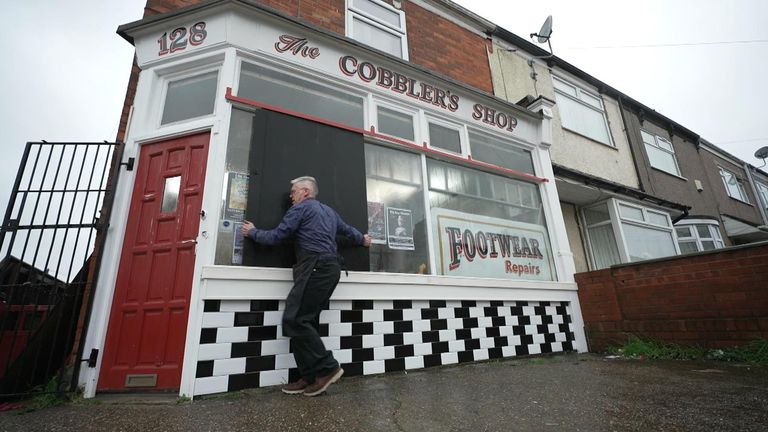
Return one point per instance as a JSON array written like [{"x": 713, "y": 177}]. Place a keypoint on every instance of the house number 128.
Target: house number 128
[{"x": 178, "y": 38}]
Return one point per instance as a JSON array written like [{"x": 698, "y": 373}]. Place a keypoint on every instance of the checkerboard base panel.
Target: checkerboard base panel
[{"x": 242, "y": 343}]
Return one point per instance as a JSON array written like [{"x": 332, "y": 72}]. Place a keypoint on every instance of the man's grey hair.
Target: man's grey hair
[{"x": 307, "y": 182}]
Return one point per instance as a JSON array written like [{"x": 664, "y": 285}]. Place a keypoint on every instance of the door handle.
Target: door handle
[{"x": 188, "y": 241}]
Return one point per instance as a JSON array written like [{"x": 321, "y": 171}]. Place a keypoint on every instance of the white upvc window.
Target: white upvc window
[
  {"x": 622, "y": 232},
  {"x": 733, "y": 185},
  {"x": 661, "y": 154},
  {"x": 396, "y": 121},
  {"x": 697, "y": 236},
  {"x": 189, "y": 97},
  {"x": 445, "y": 136},
  {"x": 582, "y": 111},
  {"x": 379, "y": 25},
  {"x": 762, "y": 190}
]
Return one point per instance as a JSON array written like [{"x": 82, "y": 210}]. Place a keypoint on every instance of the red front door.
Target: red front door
[{"x": 148, "y": 321}]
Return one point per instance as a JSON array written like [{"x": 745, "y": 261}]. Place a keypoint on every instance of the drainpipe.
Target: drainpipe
[
  {"x": 682, "y": 216},
  {"x": 631, "y": 146}
]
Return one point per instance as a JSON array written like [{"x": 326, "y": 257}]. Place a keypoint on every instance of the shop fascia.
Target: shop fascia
[{"x": 315, "y": 50}]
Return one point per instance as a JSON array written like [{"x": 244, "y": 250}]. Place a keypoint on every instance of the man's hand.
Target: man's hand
[
  {"x": 367, "y": 240},
  {"x": 247, "y": 226}
]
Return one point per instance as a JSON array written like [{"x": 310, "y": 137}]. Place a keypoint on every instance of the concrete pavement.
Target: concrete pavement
[{"x": 569, "y": 392}]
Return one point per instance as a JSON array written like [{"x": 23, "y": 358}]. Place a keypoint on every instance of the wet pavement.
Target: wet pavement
[{"x": 571, "y": 392}]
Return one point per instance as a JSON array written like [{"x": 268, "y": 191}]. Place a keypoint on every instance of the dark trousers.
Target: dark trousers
[{"x": 314, "y": 281}]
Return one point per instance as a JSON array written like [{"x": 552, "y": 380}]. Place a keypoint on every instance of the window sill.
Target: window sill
[
  {"x": 610, "y": 146},
  {"x": 741, "y": 201},
  {"x": 669, "y": 173},
  {"x": 240, "y": 274}
]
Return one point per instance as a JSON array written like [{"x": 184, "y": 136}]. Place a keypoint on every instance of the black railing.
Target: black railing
[{"x": 57, "y": 212}]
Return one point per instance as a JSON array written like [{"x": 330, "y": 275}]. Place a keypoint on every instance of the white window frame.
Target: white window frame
[
  {"x": 657, "y": 146},
  {"x": 617, "y": 221},
  {"x": 353, "y": 12},
  {"x": 692, "y": 225},
  {"x": 165, "y": 81},
  {"x": 762, "y": 192},
  {"x": 460, "y": 128},
  {"x": 739, "y": 186},
  {"x": 579, "y": 99},
  {"x": 414, "y": 113}
]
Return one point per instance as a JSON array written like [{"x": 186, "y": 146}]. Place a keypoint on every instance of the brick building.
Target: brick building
[{"x": 389, "y": 105}]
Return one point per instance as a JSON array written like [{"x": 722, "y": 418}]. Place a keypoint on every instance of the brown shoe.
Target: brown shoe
[
  {"x": 322, "y": 383},
  {"x": 296, "y": 387}
]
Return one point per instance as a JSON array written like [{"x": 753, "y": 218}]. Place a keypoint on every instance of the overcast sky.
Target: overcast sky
[{"x": 698, "y": 62}]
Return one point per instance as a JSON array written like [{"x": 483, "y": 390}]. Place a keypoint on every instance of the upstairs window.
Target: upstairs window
[
  {"x": 661, "y": 154},
  {"x": 582, "y": 112},
  {"x": 733, "y": 185},
  {"x": 379, "y": 25},
  {"x": 762, "y": 190}
]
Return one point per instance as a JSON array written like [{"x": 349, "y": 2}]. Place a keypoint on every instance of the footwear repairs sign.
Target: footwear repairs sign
[{"x": 480, "y": 246}]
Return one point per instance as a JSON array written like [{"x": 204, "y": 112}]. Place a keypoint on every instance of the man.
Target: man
[{"x": 315, "y": 276}]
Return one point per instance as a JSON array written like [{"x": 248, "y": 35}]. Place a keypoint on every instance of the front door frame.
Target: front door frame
[
  {"x": 183, "y": 271},
  {"x": 104, "y": 286}
]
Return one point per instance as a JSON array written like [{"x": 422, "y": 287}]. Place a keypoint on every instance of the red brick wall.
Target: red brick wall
[{"x": 716, "y": 299}]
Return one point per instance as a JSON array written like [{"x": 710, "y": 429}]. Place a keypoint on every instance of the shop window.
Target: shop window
[
  {"x": 643, "y": 233},
  {"x": 733, "y": 185},
  {"x": 396, "y": 216},
  {"x": 379, "y": 25},
  {"x": 444, "y": 137},
  {"x": 697, "y": 237},
  {"x": 487, "y": 225},
  {"x": 661, "y": 154},
  {"x": 266, "y": 150},
  {"x": 582, "y": 112},
  {"x": 189, "y": 98},
  {"x": 476, "y": 224},
  {"x": 395, "y": 123},
  {"x": 487, "y": 148},
  {"x": 296, "y": 94}
]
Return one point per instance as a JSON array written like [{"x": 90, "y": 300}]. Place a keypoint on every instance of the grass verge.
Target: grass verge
[{"x": 755, "y": 352}]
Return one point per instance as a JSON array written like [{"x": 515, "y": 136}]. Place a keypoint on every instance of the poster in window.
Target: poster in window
[
  {"x": 481, "y": 246},
  {"x": 400, "y": 228},
  {"x": 237, "y": 196},
  {"x": 377, "y": 227},
  {"x": 237, "y": 245}
]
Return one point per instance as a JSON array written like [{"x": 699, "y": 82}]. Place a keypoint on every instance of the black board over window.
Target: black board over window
[{"x": 285, "y": 147}]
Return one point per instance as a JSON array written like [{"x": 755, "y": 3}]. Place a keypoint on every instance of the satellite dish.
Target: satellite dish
[
  {"x": 762, "y": 153},
  {"x": 546, "y": 30},
  {"x": 543, "y": 36}
]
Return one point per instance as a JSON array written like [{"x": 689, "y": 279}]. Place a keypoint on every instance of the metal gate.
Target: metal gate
[{"x": 56, "y": 218}]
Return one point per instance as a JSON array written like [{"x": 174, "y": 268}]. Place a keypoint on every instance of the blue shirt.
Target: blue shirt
[{"x": 315, "y": 226}]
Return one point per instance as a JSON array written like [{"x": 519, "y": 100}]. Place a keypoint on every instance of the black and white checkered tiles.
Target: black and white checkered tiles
[{"x": 242, "y": 346}]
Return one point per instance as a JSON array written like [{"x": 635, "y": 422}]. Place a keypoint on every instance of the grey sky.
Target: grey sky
[
  {"x": 65, "y": 70},
  {"x": 715, "y": 90}
]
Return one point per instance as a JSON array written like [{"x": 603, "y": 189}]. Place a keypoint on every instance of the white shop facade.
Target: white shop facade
[{"x": 470, "y": 259}]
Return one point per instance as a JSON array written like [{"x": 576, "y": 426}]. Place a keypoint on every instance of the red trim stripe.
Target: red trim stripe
[{"x": 372, "y": 133}]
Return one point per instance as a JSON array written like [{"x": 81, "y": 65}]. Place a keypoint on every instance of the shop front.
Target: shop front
[{"x": 469, "y": 260}]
